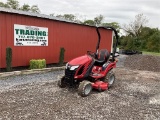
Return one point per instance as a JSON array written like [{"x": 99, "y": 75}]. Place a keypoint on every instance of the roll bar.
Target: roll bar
[{"x": 99, "y": 38}]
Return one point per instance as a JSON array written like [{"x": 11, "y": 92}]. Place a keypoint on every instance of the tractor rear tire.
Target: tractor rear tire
[
  {"x": 61, "y": 82},
  {"x": 85, "y": 88},
  {"x": 110, "y": 78}
]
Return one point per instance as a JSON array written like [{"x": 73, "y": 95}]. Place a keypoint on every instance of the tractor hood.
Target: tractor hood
[{"x": 80, "y": 60}]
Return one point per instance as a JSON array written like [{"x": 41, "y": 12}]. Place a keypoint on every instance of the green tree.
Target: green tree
[
  {"x": 148, "y": 40},
  {"x": 123, "y": 41},
  {"x": 134, "y": 28},
  {"x": 113, "y": 24},
  {"x": 153, "y": 43},
  {"x": 98, "y": 20},
  {"x": 89, "y": 22},
  {"x": 35, "y": 9},
  {"x": 146, "y": 32},
  {"x": 3, "y": 5},
  {"x": 69, "y": 17},
  {"x": 14, "y": 4},
  {"x": 136, "y": 33},
  {"x": 25, "y": 7}
]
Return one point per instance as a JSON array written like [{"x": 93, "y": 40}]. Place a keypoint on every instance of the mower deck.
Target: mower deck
[{"x": 100, "y": 85}]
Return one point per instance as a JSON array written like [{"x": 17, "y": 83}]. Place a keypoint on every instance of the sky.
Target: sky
[{"x": 121, "y": 11}]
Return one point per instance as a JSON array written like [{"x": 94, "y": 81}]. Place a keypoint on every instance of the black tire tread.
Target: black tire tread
[
  {"x": 61, "y": 83},
  {"x": 82, "y": 87},
  {"x": 107, "y": 77}
]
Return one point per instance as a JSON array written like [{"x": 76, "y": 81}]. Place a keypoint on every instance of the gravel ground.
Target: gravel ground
[
  {"x": 135, "y": 95},
  {"x": 6, "y": 83},
  {"x": 143, "y": 62},
  {"x": 121, "y": 60}
]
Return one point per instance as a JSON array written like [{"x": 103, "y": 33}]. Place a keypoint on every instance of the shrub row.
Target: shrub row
[{"x": 34, "y": 64}]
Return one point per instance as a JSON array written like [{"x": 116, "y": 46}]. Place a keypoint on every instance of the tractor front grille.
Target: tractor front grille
[{"x": 69, "y": 73}]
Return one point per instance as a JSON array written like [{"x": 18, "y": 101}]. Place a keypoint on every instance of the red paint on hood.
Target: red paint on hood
[{"x": 80, "y": 60}]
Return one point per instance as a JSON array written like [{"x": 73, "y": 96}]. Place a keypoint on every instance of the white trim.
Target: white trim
[{"x": 112, "y": 42}]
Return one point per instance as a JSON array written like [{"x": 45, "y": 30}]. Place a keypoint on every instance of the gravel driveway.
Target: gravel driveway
[
  {"x": 135, "y": 96},
  {"x": 6, "y": 83}
]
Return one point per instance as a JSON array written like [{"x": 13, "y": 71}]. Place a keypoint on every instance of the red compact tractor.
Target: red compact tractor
[{"x": 93, "y": 70}]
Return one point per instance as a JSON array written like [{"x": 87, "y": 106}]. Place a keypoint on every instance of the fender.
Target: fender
[{"x": 110, "y": 66}]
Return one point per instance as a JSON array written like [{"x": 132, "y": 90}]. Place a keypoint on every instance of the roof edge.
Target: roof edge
[{"x": 20, "y": 12}]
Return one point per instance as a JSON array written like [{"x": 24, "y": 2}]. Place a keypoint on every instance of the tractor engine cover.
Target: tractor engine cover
[{"x": 100, "y": 85}]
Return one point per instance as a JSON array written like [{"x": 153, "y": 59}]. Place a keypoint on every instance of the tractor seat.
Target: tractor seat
[{"x": 102, "y": 57}]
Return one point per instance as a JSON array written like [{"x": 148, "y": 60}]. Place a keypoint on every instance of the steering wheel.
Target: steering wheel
[{"x": 92, "y": 54}]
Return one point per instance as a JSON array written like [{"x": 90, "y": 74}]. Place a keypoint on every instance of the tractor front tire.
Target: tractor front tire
[
  {"x": 61, "y": 82},
  {"x": 110, "y": 78},
  {"x": 85, "y": 88}
]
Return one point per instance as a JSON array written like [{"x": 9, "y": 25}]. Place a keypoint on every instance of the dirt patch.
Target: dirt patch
[
  {"x": 143, "y": 62},
  {"x": 132, "y": 97}
]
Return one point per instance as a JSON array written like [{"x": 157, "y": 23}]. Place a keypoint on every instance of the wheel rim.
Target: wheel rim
[
  {"x": 87, "y": 89},
  {"x": 111, "y": 79}
]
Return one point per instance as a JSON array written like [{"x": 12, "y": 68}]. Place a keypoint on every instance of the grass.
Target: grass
[{"x": 151, "y": 53}]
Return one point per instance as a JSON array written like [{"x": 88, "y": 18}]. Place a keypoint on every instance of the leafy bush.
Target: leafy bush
[
  {"x": 153, "y": 43},
  {"x": 147, "y": 40},
  {"x": 61, "y": 56},
  {"x": 8, "y": 59},
  {"x": 37, "y": 64}
]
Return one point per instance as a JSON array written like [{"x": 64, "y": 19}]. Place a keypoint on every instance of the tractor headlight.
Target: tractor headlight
[
  {"x": 70, "y": 67},
  {"x": 74, "y": 67},
  {"x": 66, "y": 65}
]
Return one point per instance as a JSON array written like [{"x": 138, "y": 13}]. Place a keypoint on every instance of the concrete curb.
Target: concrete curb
[{"x": 27, "y": 72}]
